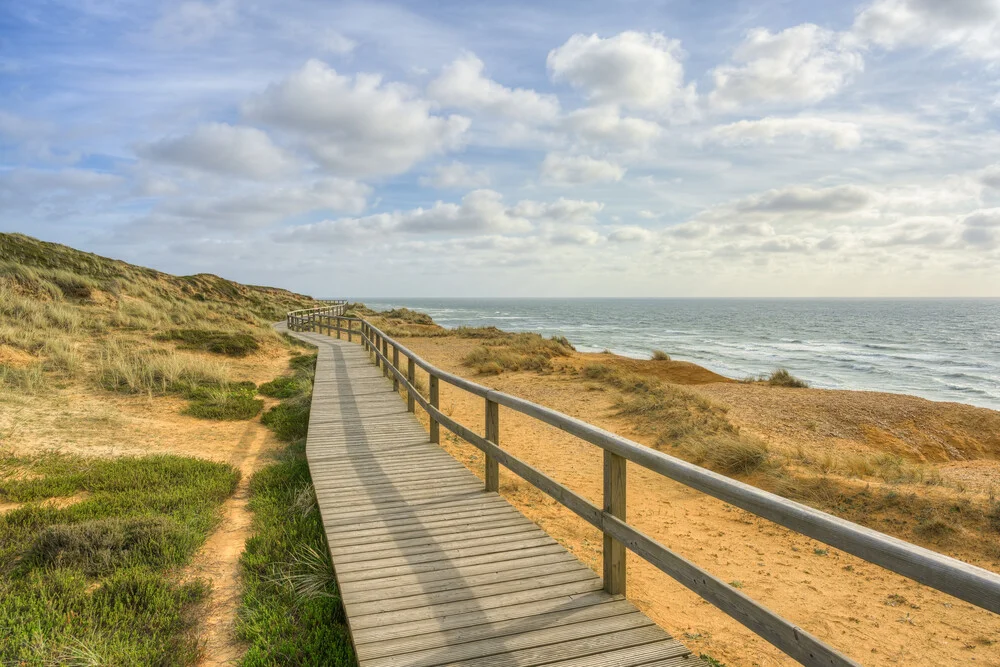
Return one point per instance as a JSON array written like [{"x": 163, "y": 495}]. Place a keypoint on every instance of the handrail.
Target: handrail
[{"x": 949, "y": 575}]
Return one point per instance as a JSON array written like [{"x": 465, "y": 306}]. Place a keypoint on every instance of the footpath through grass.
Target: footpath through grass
[
  {"x": 97, "y": 581},
  {"x": 291, "y": 612}
]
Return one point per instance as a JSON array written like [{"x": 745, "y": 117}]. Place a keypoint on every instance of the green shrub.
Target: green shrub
[
  {"x": 101, "y": 546},
  {"x": 303, "y": 363},
  {"x": 218, "y": 342},
  {"x": 289, "y": 419},
  {"x": 782, "y": 378},
  {"x": 283, "y": 387},
  {"x": 230, "y": 404}
]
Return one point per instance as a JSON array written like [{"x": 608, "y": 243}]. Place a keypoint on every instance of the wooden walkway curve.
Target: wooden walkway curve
[{"x": 432, "y": 569}]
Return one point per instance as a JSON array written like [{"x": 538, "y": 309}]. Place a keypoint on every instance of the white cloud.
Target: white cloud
[
  {"x": 839, "y": 199},
  {"x": 455, "y": 175},
  {"x": 991, "y": 176},
  {"x": 982, "y": 228},
  {"x": 842, "y": 135},
  {"x": 560, "y": 211},
  {"x": 799, "y": 65},
  {"x": 631, "y": 234},
  {"x": 462, "y": 85},
  {"x": 258, "y": 207},
  {"x": 359, "y": 127},
  {"x": 971, "y": 26},
  {"x": 569, "y": 169},
  {"x": 224, "y": 149},
  {"x": 605, "y": 124},
  {"x": 479, "y": 212},
  {"x": 582, "y": 236},
  {"x": 633, "y": 69}
]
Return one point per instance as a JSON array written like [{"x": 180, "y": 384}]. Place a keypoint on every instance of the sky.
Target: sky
[{"x": 671, "y": 148}]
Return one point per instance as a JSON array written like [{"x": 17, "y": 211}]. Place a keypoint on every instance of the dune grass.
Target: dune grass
[
  {"x": 227, "y": 343},
  {"x": 225, "y": 404},
  {"x": 282, "y": 387},
  {"x": 96, "y": 582},
  {"x": 290, "y": 611},
  {"x": 515, "y": 352},
  {"x": 659, "y": 355},
  {"x": 782, "y": 378},
  {"x": 696, "y": 427}
]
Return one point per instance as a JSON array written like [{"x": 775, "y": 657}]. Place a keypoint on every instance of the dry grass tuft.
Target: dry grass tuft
[
  {"x": 125, "y": 367},
  {"x": 517, "y": 352},
  {"x": 782, "y": 378}
]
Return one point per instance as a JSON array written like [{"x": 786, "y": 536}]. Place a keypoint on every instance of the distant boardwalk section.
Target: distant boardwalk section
[{"x": 433, "y": 570}]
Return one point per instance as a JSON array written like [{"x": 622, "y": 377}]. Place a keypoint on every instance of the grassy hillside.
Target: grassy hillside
[{"x": 69, "y": 314}]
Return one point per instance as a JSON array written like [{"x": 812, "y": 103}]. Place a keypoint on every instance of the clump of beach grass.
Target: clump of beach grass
[
  {"x": 98, "y": 577},
  {"x": 660, "y": 355},
  {"x": 126, "y": 367},
  {"x": 225, "y": 404},
  {"x": 230, "y": 344},
  {"x": 516, "y": 352},
  {"x": 693, "y": 425},
  {"x": 780, "y": 377}
]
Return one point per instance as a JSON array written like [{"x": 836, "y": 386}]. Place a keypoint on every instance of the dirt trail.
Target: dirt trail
[
  {"x": 218, "y": 559},
  {"x": 876, "y": 617}
]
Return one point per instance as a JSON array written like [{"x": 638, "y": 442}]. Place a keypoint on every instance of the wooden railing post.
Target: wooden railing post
[
  {"x": 350, "y": 331},
  {"x": 385, "y": 353},
  {"x": 436, "y": 402},
  {"x": 493, "y": 435},
  {"x": 395, "y": 363},
  {"x": 614, "y": 504},
  {"x": 411, "y": 377}
]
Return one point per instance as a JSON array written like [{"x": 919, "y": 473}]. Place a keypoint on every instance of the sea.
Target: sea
[{"x": 940, "y": 349}]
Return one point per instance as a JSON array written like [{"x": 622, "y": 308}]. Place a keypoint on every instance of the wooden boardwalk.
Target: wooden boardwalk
[{"x": 432, "y": 569}]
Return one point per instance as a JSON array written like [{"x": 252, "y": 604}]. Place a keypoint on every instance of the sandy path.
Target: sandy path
[
  {"x": 876, "y": 617},
  {"x": 218, "y": 559}
]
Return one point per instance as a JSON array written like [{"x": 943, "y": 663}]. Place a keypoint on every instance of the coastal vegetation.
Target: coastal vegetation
[
  {"x": 91, "y": 557},
  {"x": 111, "y": 377},
  {"x": 290, "y": 611}
]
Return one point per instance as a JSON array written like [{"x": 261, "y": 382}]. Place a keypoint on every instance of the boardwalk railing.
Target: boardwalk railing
[{"x": 962, "y": 580}]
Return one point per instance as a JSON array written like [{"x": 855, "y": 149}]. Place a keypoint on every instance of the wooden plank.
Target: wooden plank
[
  {"x": 576, "y": 648},
  {"x": 430, "y": 542},
  {"x": 519, "y": 611},
  {"x": 477, "y": 605},
  {"x": 431, "y": 530},
  {"x": 497, "y": 648},
  {"x": 456, "y": 549},
  {"x": 454, "y": 564},
  {"x": 497, "y": 628},
  {"x": 453, "y": 573},
  {"x": 502, "y": 575},
  {"x": 477, "y": 593},
  {"x": 659, "y": 652}
]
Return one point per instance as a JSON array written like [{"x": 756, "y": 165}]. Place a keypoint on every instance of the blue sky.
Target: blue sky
[{"x": 505, "y": 149}]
